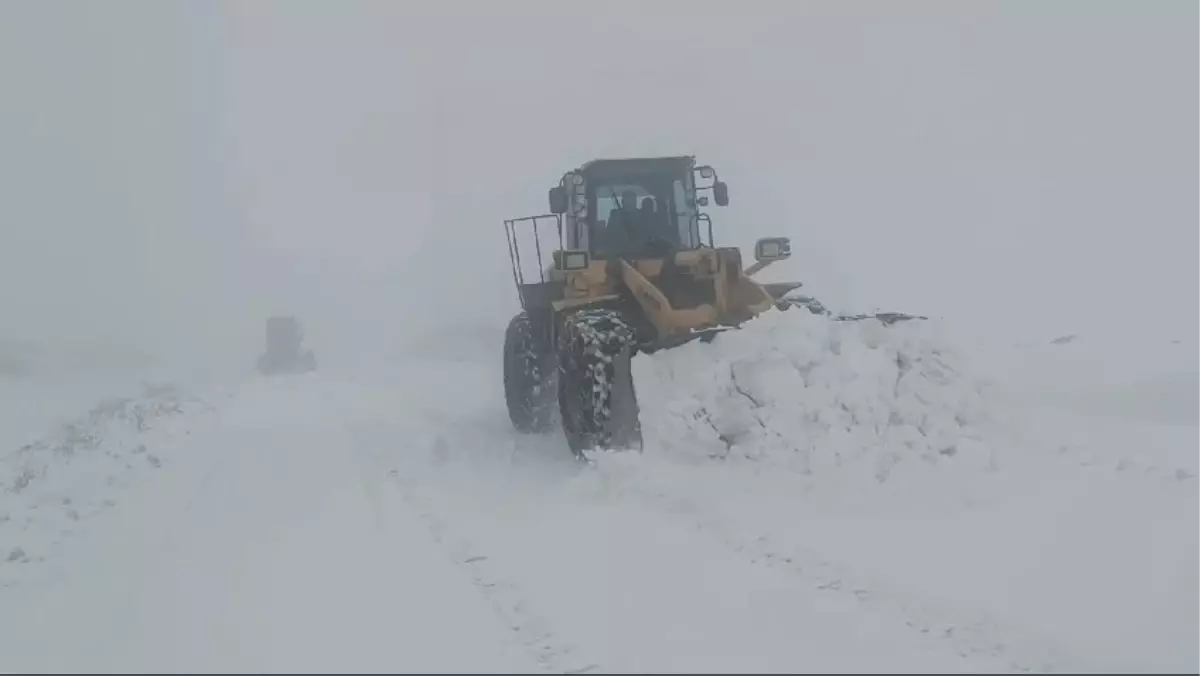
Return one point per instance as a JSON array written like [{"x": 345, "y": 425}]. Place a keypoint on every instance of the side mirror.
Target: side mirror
[
  {"x": 558, "y": 200},
  {"x": 721, "y": 193},
  {"x": 771, "y": 249}
]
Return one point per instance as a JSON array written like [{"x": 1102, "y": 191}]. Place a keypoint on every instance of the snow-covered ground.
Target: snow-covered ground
[{"x": 813, "y": 496}]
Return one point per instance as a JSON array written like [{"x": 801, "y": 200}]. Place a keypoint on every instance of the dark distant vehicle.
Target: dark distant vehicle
[{"x": 283, "y": 353}]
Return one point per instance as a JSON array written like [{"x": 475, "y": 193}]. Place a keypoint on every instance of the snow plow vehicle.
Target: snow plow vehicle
[
  {"x": 283, "y": 353},
  {"x": 631, "y": 273}
]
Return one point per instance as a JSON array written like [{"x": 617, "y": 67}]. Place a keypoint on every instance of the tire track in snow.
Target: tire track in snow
[
  {"x": 476, "y": 442},
  {"x": 970, "y": 633},
  {"x": 506, "y": 598}
]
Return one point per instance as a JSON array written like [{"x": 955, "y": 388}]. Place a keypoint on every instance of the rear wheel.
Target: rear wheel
[
  {"x": 596, "y": 398},
  {"x": 528, "y": 373}
]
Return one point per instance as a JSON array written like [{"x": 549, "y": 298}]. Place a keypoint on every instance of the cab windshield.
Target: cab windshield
[{"x": 639, "y": 214}]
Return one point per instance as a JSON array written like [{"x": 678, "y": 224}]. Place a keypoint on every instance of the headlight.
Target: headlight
[{"x": 573, "y": 260}]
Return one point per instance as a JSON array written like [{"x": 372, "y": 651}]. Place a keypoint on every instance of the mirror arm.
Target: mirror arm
[{"x": 758, "y": 266}]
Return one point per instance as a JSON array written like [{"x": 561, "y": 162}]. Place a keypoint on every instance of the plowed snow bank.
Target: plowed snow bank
[
  {"x": 49, "y": 485},
  {"x": 814, "y": 394}
]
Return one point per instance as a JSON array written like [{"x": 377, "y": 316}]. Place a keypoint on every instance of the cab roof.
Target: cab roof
[{"x": 628, "y": 163}]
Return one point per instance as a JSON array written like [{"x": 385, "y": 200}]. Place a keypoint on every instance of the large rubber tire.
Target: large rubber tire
[
  {"x": 596, "y": 398},
  {"x": 528, "y": 378}
]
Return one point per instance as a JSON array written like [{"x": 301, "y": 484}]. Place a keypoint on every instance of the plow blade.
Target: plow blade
[
  {"x": 806, "y": 302},
  {"x": 888, "y": 318},
  {"x": 704, "y": 335},
  {"x": 814, "y": 306}
]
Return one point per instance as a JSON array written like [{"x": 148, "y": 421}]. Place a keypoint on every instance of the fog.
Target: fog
[{"x": 172, "y": 173}]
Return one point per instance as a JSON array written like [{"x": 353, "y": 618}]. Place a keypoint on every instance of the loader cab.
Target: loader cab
[{"x": 656, "y": 198}]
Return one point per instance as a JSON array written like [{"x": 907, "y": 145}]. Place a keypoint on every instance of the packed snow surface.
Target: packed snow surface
[{"x": 814, "y": 496}]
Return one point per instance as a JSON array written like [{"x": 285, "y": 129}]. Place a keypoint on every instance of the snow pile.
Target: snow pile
[
  {"x": 49, "y": 485},
  {"x": 813, "y": 394}
]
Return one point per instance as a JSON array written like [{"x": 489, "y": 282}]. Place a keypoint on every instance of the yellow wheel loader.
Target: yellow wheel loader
[{"x": 630, "y": 273}]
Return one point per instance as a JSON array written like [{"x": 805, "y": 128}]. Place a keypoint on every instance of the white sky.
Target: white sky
[{"x": 172, "y": 172}]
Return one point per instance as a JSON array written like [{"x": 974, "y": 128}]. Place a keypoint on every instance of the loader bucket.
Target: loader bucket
[
  {"x": 814, "y": 306},
  {"x": 703, "y": 335},
  {"x": 888, "y": 318}
]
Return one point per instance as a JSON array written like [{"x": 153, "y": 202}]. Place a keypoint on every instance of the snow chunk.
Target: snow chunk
[{"x": 815, "y": 394}]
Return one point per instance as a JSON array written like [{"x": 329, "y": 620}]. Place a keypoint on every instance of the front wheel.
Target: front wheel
[
  {"x": 527, "y": 378},
  {"x": 596, "y": 397}
]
